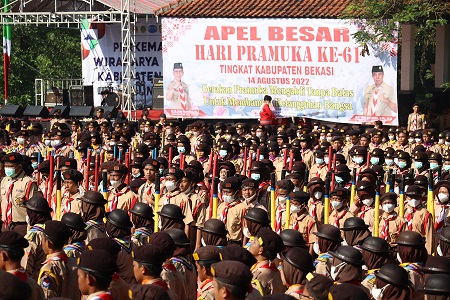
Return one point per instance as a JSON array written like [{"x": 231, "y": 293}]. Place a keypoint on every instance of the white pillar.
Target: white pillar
[
  {"x": 442, "y": 65},
  {"x": 407, "y": 60}
]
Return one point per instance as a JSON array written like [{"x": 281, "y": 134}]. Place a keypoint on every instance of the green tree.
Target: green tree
[
  {"x": 41, "y": 52},
  {"x": 382, "y": 17}
]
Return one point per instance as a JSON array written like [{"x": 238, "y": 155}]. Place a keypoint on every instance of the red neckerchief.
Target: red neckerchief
[
  {"x": 409, "y": 218},
  {"x": 271, "y": 266},
  {"x": 363, "y": 211},
  {"x": 20, "y": 273},
  {"x": 116, "y": 195},
  {"x": 169, "y": 266},
  {"x": 385, "y": 228},
  {"x": 336, "y": 222},
  {"x": 204, "y": 283},
  {"x": 279, "y": 214},
  {"x": 313, "y": 211}
]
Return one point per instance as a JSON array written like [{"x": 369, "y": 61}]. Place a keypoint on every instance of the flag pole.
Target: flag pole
[{"x": 6, "y": 52}]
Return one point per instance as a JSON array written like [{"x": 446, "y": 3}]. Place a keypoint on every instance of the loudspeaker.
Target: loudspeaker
[
  {"x": 89, "y": 95},
  {"x": 157, "y": 82},
  {"x": 76, "y": 95},
  {"x": 110, "y": 110},
  {"x": 36, "y": 111},
  {"x": 12, "y": 110},
  {"x": 158, "y": 98},
  {"x": 81, "y": 111},
  {"x": 64, "y": 110}
]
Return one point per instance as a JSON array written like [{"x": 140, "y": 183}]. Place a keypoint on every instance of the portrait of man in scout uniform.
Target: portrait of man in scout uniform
[
  {"x": 380, "y": 99},
  {"x": 178, "y": 92}
]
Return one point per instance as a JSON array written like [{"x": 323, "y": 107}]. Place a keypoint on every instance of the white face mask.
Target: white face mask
[
  {"x": 417, "y": 140},
  {"x": 326, "y": 160},
  {"x": 319, "y": 160},
  {"x": 228, "y": 199},
  {"x": 169, "y": 131},
  {"x": 170, "y": 185},
  {"x": 316, "y": 248},
  {"x": 411, "y": 140},
  {"x": 347, "y": 139},
  {"x": 377, "y": 294},
  {"x": 318, "y": 195},
  {"x": 329, "y": 139},
  {"x": 246, "y": 232},
  {"x": 391, "y": 137},
  {"x": 442, "y": 197},
  {"x": 259, "y": 134},
  {"x": 336, "y": 204},
  {"x": 294, "y": 209},
  {"x": 20, "y": 141},
  {"x": 389, "y": 161},
  {"x": 281, "y": 200},
  {"x": 56, "y": 142},
  {"x": 388, "y": 208},
  {"x": 115, "y": 183},
  {"x": 47, "y": 142},
  {"x": 447, "y": 143},
  {"x": 335, "y": 270},
  {"x": 440, "y": 141},
  {"x": 413, "y": 202},
  {"x": 358, "y": 160},
  {"x": 368, "y": 201}
]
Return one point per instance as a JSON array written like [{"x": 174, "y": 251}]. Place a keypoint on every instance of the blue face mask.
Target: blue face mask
[
  {"x": 319, "y": 160},
  {"x": 223, "y": 153},
  {"x": 418, "y": 164},
  {"x": 161, "y": 171},
  {"x": 338, "y": 179},
  {"x": 389, "y": 162},
  {"x": 34, "y": 165},
  {"x": 261, "y": 157},
  {"x": 181, "y": 149},
  {"x": 358, "y": 160},
  {"x": 136, "y": 175},
  {"x": 401, "y": 164},
  {"x": 255, "y": 176},
  {"x": 434, "y": 166},
  {"x": 10, "y": 172},
  {"x": 446, "y": 167},
  {"x": 374, "y": 160}
]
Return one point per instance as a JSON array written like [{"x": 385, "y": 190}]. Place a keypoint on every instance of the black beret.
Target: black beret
[
  {"x": 232, "y": 272},
  {"x": 106, "y": 244},
  {"x": 149, "y": 254},
  {"x": 207, "y": 253},
  {"x": 148, "y": 292},
  {"x": 13, "y": 157},
  {"x": 270, "y": 241},
  {"x": 341, "y": 192},
  {"x": 74, "y": 175},
  {"x": 119, "y": 168},
  {"x": 13, "y": 240},
  {"x": 56, "y": 231},
  {"x": 98, "y": 261}
]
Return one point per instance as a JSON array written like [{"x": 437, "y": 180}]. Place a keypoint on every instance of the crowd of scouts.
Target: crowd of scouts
[{"x": 157, "y": 210}]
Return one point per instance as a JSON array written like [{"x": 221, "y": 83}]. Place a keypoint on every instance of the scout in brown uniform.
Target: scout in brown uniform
[
  {"x": 296, "y": 265},
  {"x": 359, "y": 159},
  {"x": 147, "y": 267},
  {"x": 421, "y": 164},
  {"x": 204, "y": 257},
  {"x": 182, "y": 261},
  {"x": 319, "y": 168},
  {"x": 417, "y": 217},
  {"x": 316, "y": 189},
  {"x": 265, "y": 248},
  {"x": 15, "y": 190},
  {"x": 339, "y": 199},
  {"x": 306, "y": 150},
  {"x": 231, "y": 280},
  {"x": 328, "y": 239},
  {"x": 70, "y": 201},
  {"x": 59, "y": 143},
  {"x": 120, "y": 195},
  {"x": 146, "y": 192},
  {"x": 93, "y": 208},
  {"x": 170, "y": 274},
  {"x": 172, "y": 178},
  {"x": 12, "y": 246},
  {"x": 363, "y": 204},
  {"x": 281, "y": 191},
  {"x": 193, "y": 206},
  {"x": 117, "y": 287},
  {"x": 390, "y": 222},
  {"x": 416, "y": 120},
  {"x": 300, "y": 219},
  {"x": 38, "y": 213},
  {"x": 229, "y": 211},
  {"x": 412, "y": 255},
  {"x": 53, "y": 275},
  {"x": 95, "y": 271},
  {"x": 118, "y": 227},
  {"x": 402, "y": 143},
  {"x": 375, "y": 253},
  {"x": 143, "y": 223}
]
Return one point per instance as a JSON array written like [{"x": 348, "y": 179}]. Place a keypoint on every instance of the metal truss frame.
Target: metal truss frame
[{"x": 125, "y": 17}]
